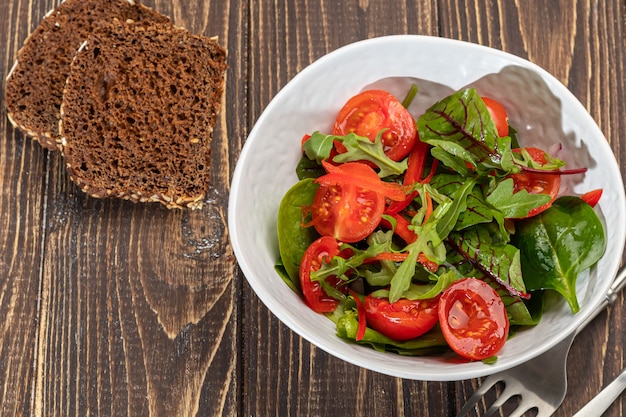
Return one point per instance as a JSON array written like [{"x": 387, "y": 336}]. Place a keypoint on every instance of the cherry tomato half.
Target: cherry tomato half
[
  {"x": 403, "y": 320},
  {"x": 473, "y": 319},
  {"x": 367, "y": 113},
  {"x": 537, "y": 182},
  {"x": 499, "y": 116},
  {"x": 321, "y": 250},
  {"x": 343, "y": 209}
]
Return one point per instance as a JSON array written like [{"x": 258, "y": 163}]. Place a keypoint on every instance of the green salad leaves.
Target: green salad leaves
[{"x": 469, "y": 219}]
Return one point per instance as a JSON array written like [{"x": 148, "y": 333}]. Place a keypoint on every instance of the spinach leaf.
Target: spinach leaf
[
  {"x": 293, "y": 239},
  {"x": 558, "y": 244},
  {"x": 309, "y": 168}
]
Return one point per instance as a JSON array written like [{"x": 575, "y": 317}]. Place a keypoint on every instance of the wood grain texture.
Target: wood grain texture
[
  {"x": 115, "y": 309},
  {"x": 120, "y": 309}
]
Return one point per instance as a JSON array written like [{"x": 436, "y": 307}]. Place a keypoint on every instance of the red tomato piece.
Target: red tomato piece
[
  {"x": 473, "y": 319},
  {"x": 403, "y": 320},
  {"x": 322, "y": 250},
  {"x": 537, "y": 182},
  {"x": 346, "y": 212},
  {"x": 499, "y": 116},
  {"x": 350, "y": 201},
  {"x": 592, "y": 197},
  {"x": 367, "y": 113}
]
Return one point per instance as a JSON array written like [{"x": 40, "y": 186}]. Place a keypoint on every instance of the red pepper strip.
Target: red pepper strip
[
  {"x": 427, "y": 263},
  {"x": 396, "y": 207},
  {"x": 431, "y": 174},
  {"x": 416, "y": 162},
  {"x": 361, "y": 314},
  {"x": 387, "y": 256},
  {"x": 362, "y": 176},
  {"x": 414, "y": 172},
  {"x": 429, "y": 206},
  {"x": 592, "y": 197}
]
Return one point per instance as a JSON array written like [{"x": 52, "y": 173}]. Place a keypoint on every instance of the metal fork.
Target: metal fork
[{"x": 541, "y": 382}]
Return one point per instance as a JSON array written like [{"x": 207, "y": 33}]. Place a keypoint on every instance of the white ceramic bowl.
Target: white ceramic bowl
[{"x": 539, "y": 106}]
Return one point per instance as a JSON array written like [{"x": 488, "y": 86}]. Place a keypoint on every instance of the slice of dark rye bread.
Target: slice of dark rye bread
[
  {"x": 138, "y": 113},
  {"x": 34, "y": 87}
]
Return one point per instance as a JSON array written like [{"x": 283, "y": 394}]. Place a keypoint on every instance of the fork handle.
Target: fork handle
[
  {"x": 611, "y": 296},
  {"x": 601, "y": 402}
]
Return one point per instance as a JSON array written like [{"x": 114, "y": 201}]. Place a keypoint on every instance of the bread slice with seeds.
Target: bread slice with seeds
[
  {"x": 34, "y": 87},
  {"x": 138, "y": 113}
]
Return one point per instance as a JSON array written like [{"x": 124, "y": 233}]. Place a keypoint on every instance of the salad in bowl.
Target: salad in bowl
[
  {"x": 420, "y": 243},
  {"x": 442, "y": 232}
]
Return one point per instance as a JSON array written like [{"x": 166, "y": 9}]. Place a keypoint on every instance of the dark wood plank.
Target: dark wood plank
[
  {"x": 113, "y": 308},
  {"x": 22, "y": 208}
]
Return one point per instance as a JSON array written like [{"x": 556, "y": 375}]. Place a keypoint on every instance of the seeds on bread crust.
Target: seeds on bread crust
[
  {"x": 138, "y": 113},
  {"x": 34, "y": 87}
]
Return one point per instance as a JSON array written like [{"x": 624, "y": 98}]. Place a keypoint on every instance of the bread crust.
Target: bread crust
[
  {"x": 138, "y": 112},
  {"x": 34, "y": 86}
]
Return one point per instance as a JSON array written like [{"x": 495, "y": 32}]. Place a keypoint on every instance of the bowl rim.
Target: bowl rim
[{"x": 383, "y": 41}]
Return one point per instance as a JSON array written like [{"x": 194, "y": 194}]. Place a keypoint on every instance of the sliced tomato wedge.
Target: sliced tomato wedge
[
  {"x": 498, "y": 115},
  {"x": 473, "y": 319},
  {"x": 537, "y": 182},
  {"x": 321, "y": 250},
  {"x": 403, "y": 320},
  {"x": 371, "y": 111}
]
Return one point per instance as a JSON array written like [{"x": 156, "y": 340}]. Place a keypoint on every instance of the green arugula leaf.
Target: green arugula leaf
[
  {"x": 318, "y": 147},
  {"x": 477, "y": 210},
  {"x": 378, "y": 242},
  {"x": 360, "y": 148},
  {"x": 514, "y": 204},
  {"x": 424, "y": 291},
  {"x": 558, "y": 244},
  {"x": 430, "y": 236}
]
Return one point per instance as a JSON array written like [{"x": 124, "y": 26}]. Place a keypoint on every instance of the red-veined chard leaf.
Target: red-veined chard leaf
[
  {"x": 462, "y": 132},
  {"x": 558, "y": 244},
  {"x": 486, "y": 250}
]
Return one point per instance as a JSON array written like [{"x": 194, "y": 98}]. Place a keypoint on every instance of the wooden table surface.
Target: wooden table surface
[{"x": 113, "y": 309}]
